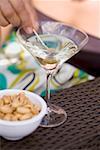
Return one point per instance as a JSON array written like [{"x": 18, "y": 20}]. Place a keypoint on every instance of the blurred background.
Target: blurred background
[{"x": 84, "y": 14}]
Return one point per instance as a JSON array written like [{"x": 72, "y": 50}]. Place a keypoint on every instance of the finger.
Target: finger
[
  {"x": 9, "y": 13},
  {"x": 3, "y": 21},
  {"x": 19, "y": 7},
  {"x": 0, "y": 37},
  {"x": 32, "y": 12}
]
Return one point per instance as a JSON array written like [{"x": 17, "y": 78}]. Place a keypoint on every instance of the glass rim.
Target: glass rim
[
  {"x": 59, "y": 22},
  {"x": 72, "y": 27}
]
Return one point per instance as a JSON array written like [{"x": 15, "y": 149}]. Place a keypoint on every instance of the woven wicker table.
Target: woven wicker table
[{"x": 80, "y": 132}]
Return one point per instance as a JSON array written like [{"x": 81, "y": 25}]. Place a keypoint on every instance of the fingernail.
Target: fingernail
[{"x": 28, "y": 30}]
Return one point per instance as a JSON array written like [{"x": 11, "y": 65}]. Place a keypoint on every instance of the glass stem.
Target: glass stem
[{"x": 47, "y": 97}]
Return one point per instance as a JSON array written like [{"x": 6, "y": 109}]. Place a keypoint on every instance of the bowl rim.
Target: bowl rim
[{"x": 28, "y": 121}]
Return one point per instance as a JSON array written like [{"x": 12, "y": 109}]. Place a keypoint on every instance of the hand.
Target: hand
[{"x": 18, "y": 13}]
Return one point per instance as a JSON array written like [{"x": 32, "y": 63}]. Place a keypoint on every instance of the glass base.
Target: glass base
[{"x": 55, "y": 117}]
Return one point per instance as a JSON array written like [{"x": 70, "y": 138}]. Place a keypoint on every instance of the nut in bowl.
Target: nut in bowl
[{"x": 21, "y": 112}]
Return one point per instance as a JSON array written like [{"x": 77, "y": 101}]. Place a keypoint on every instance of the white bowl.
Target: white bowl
[{"x": 15, "y": 130}]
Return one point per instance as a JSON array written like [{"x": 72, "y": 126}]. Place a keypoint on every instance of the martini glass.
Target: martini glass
[{"x": 53, "y": 44}]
